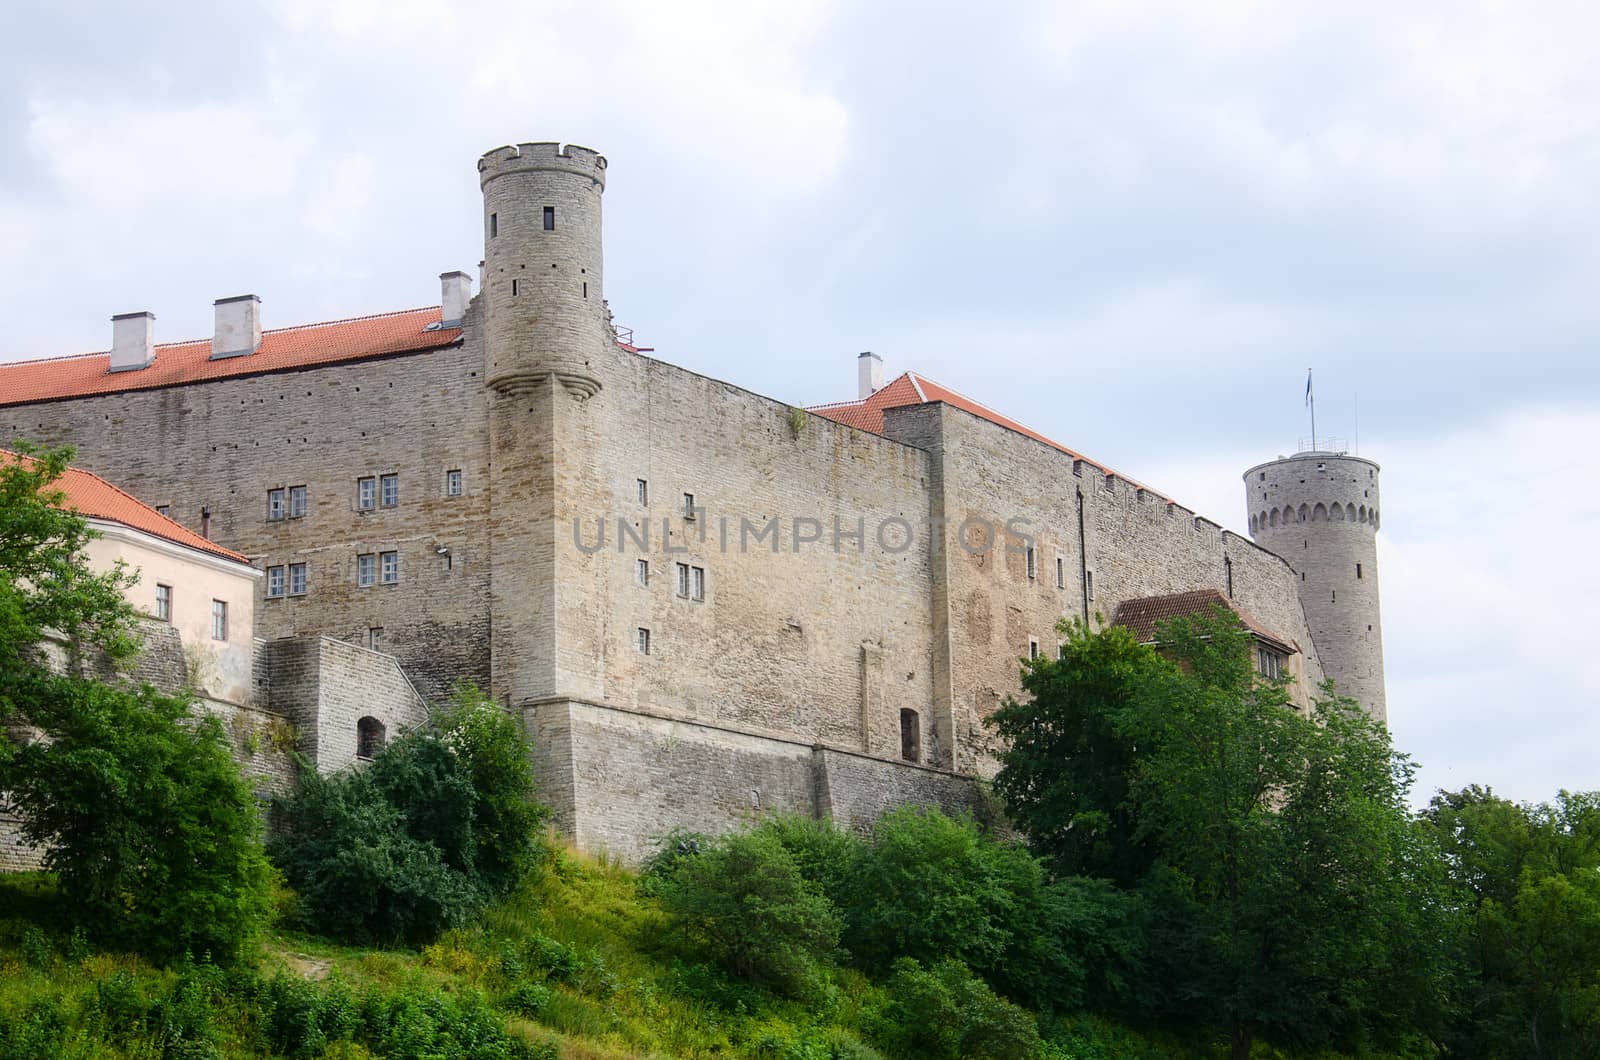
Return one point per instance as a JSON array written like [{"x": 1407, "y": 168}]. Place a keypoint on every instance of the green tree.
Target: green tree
[
  {"x": 1069, "y": 761},
  {"x": 146, "y": 820},
  {"x": 1286, "y": 891},
  {"x": 1528, "y": 876},
  {"x": 943, "y": 1012}
]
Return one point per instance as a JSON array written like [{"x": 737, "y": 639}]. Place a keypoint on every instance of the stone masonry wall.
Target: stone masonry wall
[
  {"x": 1135, "y": 544},
  {"x": 634, "y": 776},
  {"x": 224, "y": 444},
  {"x": 325, "y": 687},
  {"x": 821, "y": 644}
]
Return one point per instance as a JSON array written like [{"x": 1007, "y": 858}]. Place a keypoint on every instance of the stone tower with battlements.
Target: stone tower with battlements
[
  {"x": 541, "y": 320},
  {"x": 1320, "y": 512}
]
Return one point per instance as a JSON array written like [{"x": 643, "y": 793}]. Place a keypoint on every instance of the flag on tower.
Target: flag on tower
[{"x": 1308, "y": 386}]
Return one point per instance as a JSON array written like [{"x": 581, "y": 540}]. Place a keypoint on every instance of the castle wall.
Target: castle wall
[
  {"x": 1135, "y": 544},
  {"x": 324, "y": 687},
  {"x": 224, "y": 444},
  {"x": 630, "y": 777},
  {"x": 820, "y": 643}
]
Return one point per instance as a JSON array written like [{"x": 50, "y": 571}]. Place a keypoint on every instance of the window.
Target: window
[
  {"x": 644, "y": 641},
  {"x": 366, "y": 494},
  {"x": 390, "y": 490},
  {"x": 644, "y": 493},
  {"x": 164, "y": 602},
  {"x": 688, "y": 506},
  {"x": 297, "y": 579},
  {"x": 494, "y": 225},
  {"x": 163, "y": 509},
  {"x": 1358, "y": 571},
  {"x": 697, "y": 583},
  {"x": 452, "y": 483},
  {"x": 297, "y": 502},
  {"x": 1061, "y": 573},
  {"x": 375, "y": 638},
  {"x": 642, "y": 572},
  {"x": 683, "y": 579},
  {"x": 274, "y": 582},
  {"x": 275, "y": 504},
  {"x": 389, "y": 567},
  {"x": 366, "y": 569},
  {"x": 219, "y": 620},
  {"x": 910, "y": 736},
  {"x": 1033, "y": 564},
  {"x": 369, "y": 737},
  {"x": 513, "y": 288},
  {"x": 1270, "y": 663},
  {"x": 549, "y": 218},
  {"x": 1033, "y": 647},
  {"x": 1088, "y": 582}
]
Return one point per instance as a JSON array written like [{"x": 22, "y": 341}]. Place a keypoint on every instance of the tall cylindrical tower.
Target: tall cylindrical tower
[
  {"x": 1320, "y": 512},
  {"x": 543, "y": 283}
]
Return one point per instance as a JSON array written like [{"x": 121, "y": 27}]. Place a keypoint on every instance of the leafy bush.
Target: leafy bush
[
  {"x": 932, "y": 887},
  {"x": 359, "y": 875},
  {"x": 944, "y": 1011},
  {"x": 442, "y": 819},
  {"x": 153, "y": 834},
  {"x": 745, "y": 898},
  {"x": 825, "y": 854}
]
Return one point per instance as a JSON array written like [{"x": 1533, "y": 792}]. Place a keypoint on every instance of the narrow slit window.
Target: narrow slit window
[
  {"x": 513, "y": 288},
  {"x": 644, "y": 641},
  {"x": 1358, "y": 571},
  {"x": 910, "y": 736},
  {"x": 549, "y": 218},
  {"x": 1061, "y": 573},
  {"x": 1033, "y": 647},
  {"x": 1033, "y": 564},
  {"x": 697, "y": 583},
  {"x": 642, "y": 572},
  {"x": 644, "y": 493},
  {"x": 494, "y": 225}
]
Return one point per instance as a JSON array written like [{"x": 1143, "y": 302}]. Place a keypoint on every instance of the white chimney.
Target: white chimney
[
  {"x": 133, "y": 341},
  {"x": 869, "y": 373},
  {"x": 238, "y": 327},
  {"x": 453, "y": 299}
]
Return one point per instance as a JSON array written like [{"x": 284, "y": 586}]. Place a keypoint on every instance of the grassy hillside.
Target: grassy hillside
[{"x": 577, "y": 966}]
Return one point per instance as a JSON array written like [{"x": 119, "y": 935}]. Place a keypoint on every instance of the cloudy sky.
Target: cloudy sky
[{"x": 1130, "y": 225}]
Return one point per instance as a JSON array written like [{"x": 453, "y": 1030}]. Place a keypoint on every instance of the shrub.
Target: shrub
[
  {"x": 944, "y": 1011},
  {"x": 824, "y": 854},
  {"x": 442, "y": 818},
  {"x": 932, "y": 887},
  {"x": 745, "y": 898},
  {"x": 360, "y": 876}
]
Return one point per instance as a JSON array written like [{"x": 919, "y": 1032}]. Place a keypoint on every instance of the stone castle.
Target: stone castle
[{"x": 704, "y": 603}]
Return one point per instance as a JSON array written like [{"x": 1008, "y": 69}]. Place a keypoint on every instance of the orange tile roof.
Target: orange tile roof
[
  {"x": 92, "y": 496},
  {"x": 909, "y": 388},
  {"x": 1141, "y": 616},
  {"x": 177, "y": 363}
]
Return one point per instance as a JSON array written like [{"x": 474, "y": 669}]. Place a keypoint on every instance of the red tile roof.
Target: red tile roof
[
  {"x": 909, "y": 388},
  {"x": 94, "y": 497},
  {"x": 189, "y": 362},
  {"x": 1142, "y": 616}
]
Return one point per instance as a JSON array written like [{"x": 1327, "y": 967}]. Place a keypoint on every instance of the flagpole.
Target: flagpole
[{"x": 1311, "y": 401}]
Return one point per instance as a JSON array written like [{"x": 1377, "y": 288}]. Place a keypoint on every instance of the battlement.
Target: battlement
[{"x": 547, "y": 155}]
